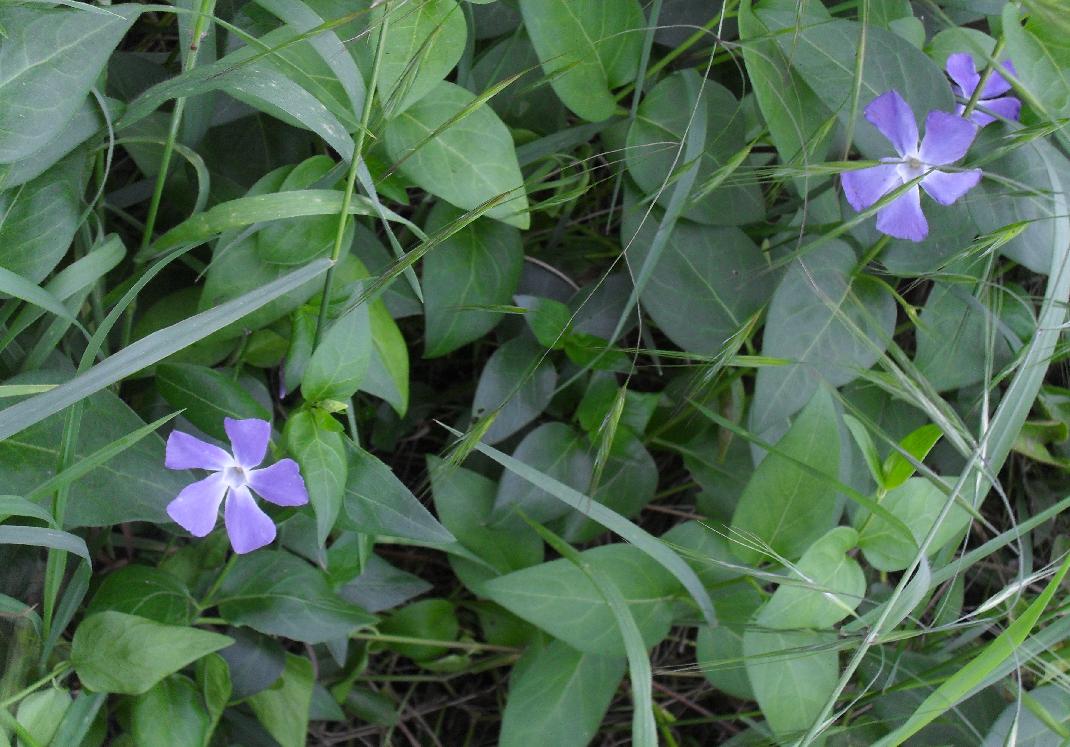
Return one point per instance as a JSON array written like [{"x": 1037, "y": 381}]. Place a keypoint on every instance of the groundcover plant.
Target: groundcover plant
[{"x": 534, "y": 372}]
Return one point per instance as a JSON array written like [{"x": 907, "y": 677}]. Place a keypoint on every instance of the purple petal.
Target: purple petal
[
  {"x": 997, "y": 85},
  {"x": 947, "y": 138},
  {"x": 1007, "y": 107},
  {"x": 961, "y": 69},
  {"x": 947, "y": 186},
  {"x": 890, "y": 114},
  {"x": 902, "y": 218},
  {"x": 280, "y": 483},
  {"x": 866, "y": 186},
  {"x": 196, "y": 507},
  {"x": 248, "y": 526},
  {"x": 249, "y": 440},
  {"x": 188, "y": 452}
]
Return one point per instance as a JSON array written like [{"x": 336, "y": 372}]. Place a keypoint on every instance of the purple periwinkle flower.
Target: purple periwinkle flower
[
  {"x": 197, "y": 506},
  {"x": 947, "y": 138},
  {"x": 991, "y": 102}
]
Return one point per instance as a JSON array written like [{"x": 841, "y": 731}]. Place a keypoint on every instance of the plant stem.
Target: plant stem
[
  {"x": 351, "y": 179},
  {"x": 985, "y": 75}
]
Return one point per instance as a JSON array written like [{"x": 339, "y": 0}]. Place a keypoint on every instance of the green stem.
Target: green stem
[
  {"x": 989, "y": 69},
  {"x": 207, "y": 8},
  {"x": 61, "y": 669},
  {"x": 207, "y": 602},
  {"x": 351, "y": 178}
]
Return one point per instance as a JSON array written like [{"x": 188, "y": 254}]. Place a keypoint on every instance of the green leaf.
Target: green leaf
[
  {"x": 612, "y": 521},
  {"x": 1041, "y": 57},
  {"x": 479, "y": 266},
  {"x": 299, "y": 240},
  {"x": 150, "y": 350},
  {"x": 792, "y": 673},
  {"x": 464, "y": 499},
  {"x": 147, "y": 592},
  {"x": 119, "y": 653},
  {"x": 830, "y": 325},
  {"x": 170, "y": 714},
  {"x": 587, "y": 48},
  {"x": 388, "y": 369},
  {"x": 793, "y": 113},
  {"x": 422, "y": 45},
  {"x": 38, "y": 537},
  {"x": 378, "y": 503},
  {"x": 1032, "y": 721},
  {"x": 557, "y": 451},
  {"x": 340, "y": 362},
  {"x": 279, "y": 594},
  {"x": 654, "y": 144},
  {"x": 16, "y": 505},
  {"x": 79, "y": 718},
  {"x": 430, "y": 619},
  {"x": 719, "y": 651},
  {"x": 29, "y": 246},
  {"x": 458, "y": 149},
  {"x": 51, "y": 59},
  {"x": 206, "y": 396},
  {"x": 827, "y": 585},
  {"x": 953, "y": 336},
  {"x": 283, "y": 710},
  {"x": 784, "y": 505},
  {"x": 549, "y": 320},
  {"x": 115, "y": 476},
  {"x": 315, "y": 440},
  {"x": 255, "y": 208},
  {"x": 264, "y": 82},
  {"x": 694, "y": 293},
  {"x": 558, "y": 696},
  {"x": 525, "y": 103},
  {"x": 560, "y": 598},
  {"x": 213, "y": 678},
  {"x": 41, "y": 713},
  {"x": 917, "y": 503},
  {"x": 516, "y": 384},
  {"x": 823, "y": 52}
]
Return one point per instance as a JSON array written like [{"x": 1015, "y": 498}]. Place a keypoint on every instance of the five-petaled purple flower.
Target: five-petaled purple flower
[
  {"x": 991, "y": 102},
  {"x": 947, "y": 138},
  {"x": 197, "y": 506}
]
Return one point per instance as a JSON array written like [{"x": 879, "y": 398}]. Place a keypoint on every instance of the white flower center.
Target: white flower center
[
  {"x": 235, "y": 476},
  {"x": 911, "y": 167}
]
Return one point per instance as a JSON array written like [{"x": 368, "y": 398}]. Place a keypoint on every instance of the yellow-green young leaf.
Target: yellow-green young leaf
[
  {"x": 587, "y": 48},
  {"x": 918, "y": 443},
  {"x": 340, "y": 362},
  {"x": 119, "y": 653},
  {"x": 283, "y": 710},
  {"x": 784, "y": 505},
  {"x": 460, "y": 151},
  {"x": 1041, "y": 55},
  {"x": 315, "y": 440}
]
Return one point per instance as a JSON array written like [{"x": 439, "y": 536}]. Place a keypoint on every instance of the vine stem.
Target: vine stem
[{"x": 351, "y": 178}]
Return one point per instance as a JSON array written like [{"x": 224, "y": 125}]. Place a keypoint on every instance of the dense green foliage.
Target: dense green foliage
[{"x": 621, "y": 412}]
